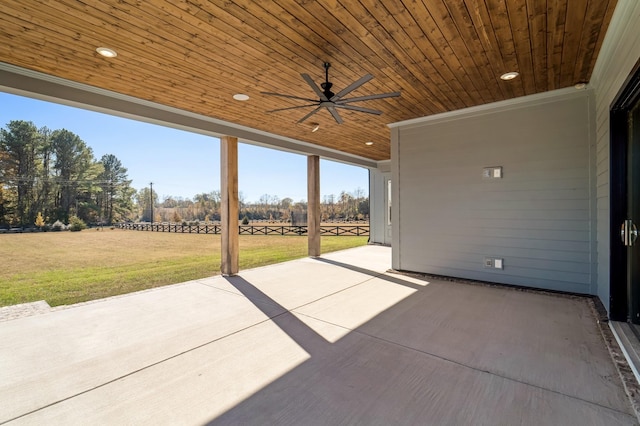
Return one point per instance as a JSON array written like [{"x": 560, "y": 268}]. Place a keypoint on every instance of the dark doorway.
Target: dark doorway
[{"x": 625, "y": 202}]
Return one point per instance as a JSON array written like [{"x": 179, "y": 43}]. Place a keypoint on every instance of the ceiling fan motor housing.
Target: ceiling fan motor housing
[{"x": 326, "y": 86}]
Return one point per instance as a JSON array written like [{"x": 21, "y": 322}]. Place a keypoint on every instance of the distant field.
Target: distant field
[{"x": 71, "y": 267}]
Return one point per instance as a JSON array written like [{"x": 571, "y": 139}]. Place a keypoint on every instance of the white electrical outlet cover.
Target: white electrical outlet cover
[
  {"x": 497, "y": 172},
  {"x": 498, "y": 263}
]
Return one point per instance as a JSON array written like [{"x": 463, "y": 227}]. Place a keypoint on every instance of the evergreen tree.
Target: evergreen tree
[
  {"x": 19, "y": 167},
  {"x": 73, "y": 159},
  {"x": 115, "y": 198}
]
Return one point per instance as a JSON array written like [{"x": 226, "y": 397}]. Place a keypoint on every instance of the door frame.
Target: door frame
[
  {"x": 626, "y": 98},
  {"x": 388, "y": 235}
]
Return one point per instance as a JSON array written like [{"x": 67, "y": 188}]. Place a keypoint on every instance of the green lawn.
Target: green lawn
[{"x": 71, "y": 267}]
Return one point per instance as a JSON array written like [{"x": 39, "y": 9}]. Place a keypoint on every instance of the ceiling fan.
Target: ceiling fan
[{"x": 331, "y": 101}]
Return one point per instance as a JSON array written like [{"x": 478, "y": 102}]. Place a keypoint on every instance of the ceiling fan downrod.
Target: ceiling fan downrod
[{"x": 326, "y": 86}]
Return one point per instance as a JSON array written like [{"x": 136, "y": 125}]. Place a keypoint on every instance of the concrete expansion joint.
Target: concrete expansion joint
[
  {"x": 486, "y": 371},
  {"x": 461, "y": 364},
  {"x": 136, "y": 371}
]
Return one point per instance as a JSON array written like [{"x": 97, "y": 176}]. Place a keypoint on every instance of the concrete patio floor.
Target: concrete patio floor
[{"x": 328, "y": 341}]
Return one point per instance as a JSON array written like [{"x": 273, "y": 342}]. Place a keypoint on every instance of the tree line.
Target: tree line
[
  {"x": 206, "y": 207},
  {"x": 52, "y": 175}
]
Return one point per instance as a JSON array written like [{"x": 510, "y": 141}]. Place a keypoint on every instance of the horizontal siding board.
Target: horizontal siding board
[
  {"x": 471, "y": 261},
  {"x": 534, "y": 214},
  {"x": 418, "y": 240},
  {"x": 537, "y": 217},
  {"x": 540, "y": 210},
  {"x": 515, "y": 252},
  {"x": 519, "y": 223},
  {"x": 571, "y": 285},
  {"x": 472, "y": 233},
  {"x": 528, "y": 190},
  {"x": 513, "y": 181}
]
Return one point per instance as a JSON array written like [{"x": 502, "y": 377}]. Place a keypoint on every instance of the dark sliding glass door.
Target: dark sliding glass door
[{"x": 625, "y": 203}]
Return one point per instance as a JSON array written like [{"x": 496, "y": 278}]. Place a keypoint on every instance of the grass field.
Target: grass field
[{"x": 70, "y": 267}]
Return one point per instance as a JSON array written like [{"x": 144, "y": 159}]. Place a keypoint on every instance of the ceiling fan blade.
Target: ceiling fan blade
[
  {"x": 295, "y": 107},
  {"x": 314, "y": 86},
  {"x": 369, "y": 97},
  {"x": 353, "y": 86},
  {"x": 309, "y": 115},
  {"x": 288, "y": 96},
  {"x": 360, "y": 109},
  {"x": 335, "y": 114}
]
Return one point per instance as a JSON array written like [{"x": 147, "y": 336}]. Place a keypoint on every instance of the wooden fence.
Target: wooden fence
[{"x": 337, "y": 230}]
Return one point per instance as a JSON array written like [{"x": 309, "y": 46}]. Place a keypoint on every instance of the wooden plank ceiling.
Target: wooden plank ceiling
[{"x": 442, "y": 55}]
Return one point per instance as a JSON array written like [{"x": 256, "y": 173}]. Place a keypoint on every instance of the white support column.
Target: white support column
[
  {"x": 396, "y": 255},
  {"x": 229, "y": 205},
  {"x": 313, "y": 204}
]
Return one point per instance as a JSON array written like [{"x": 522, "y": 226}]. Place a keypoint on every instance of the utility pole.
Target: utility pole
[{"x": 151, "y": 195}]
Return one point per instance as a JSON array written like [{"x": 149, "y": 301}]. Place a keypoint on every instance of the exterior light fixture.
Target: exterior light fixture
[
  {"x": 315, "y": 126},
  {"x": 580, "y": 86},
  {"x": 509, "y": 75},
  {"x": 106, "y": 52},
  {"x": 241, "y": 97},
  {"x": 368, "y": 143}
]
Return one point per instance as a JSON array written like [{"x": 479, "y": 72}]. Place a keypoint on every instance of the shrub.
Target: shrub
[
  {"x": 245, "y": 220},
  {"x": 76, "y": 224},
  {"x": 39, "y": 220}
]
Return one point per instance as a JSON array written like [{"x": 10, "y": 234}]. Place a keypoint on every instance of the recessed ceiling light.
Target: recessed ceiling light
[
  {"x": 241, "y": 97},
  {"x": 106, "y": 52},
  {"x": 509, "y": 75},
  {"x": 315, "y": 126},
  {"x": 369, "y": 143}
]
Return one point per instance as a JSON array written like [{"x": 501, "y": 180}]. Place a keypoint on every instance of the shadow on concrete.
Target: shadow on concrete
[
  {"x": 431, "y": 359},
  {"x": 380, "y": 275},
  {"x": 297, "y": 330}
]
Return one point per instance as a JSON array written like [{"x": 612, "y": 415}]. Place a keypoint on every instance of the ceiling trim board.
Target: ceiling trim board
[
  {"x": 33, "y": 84},
  {"x": 520, "y": 102}
]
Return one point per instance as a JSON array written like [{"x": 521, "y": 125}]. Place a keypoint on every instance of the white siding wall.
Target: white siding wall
[
  {"x": 619, "y": 53},
  {"x": 538, "y": 217}
]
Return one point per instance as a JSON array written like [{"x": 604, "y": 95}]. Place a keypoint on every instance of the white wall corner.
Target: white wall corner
[
  {"x": 384, "y": 166},
  {"x": 593, "y": 190},
  {"x": 622, "y": 29}
]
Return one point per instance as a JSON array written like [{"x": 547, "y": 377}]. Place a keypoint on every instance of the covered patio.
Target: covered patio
[
  {"x": 500, "y": 161},
  {"x": 331, "y": 340}
]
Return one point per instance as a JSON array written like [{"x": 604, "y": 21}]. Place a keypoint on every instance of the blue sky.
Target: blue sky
[{"x": 179, "y": 163}]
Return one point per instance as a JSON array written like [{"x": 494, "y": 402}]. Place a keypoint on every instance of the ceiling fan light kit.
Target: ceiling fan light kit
[{"x": 332, "y": 101}]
